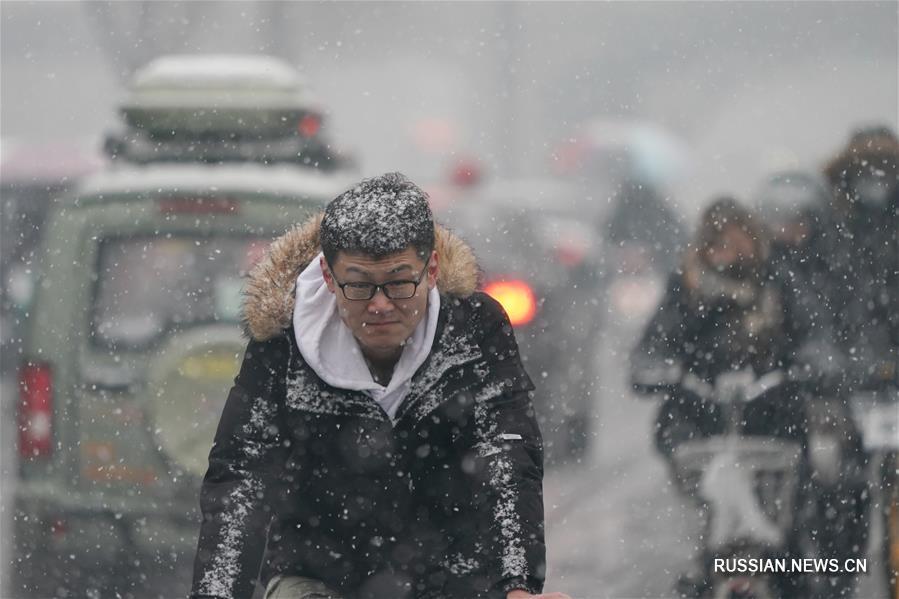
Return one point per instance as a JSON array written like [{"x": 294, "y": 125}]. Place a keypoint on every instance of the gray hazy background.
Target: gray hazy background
[{"x": 747, "y": 86}]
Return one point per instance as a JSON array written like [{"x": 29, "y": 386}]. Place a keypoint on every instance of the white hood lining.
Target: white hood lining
[{"x": 329, "y": 348}]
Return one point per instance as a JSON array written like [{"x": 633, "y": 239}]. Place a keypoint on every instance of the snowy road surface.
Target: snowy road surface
[{"x": 614, "y": 526}]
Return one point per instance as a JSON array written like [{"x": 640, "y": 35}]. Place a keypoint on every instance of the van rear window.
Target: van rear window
[{"x": 148, "y": 286}]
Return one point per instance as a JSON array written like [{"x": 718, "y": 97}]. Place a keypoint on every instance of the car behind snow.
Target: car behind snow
[
  {"x": 541, "y": 259},
  {"x": 134, "y": 339},
  {"x": 133, "y": 344}
]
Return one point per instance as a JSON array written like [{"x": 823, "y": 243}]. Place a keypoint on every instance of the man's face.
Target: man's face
[{"x": 381, "y": 325}]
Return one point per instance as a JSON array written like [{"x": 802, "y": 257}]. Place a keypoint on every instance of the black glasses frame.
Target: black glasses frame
[{"x": 384, "y": 287}]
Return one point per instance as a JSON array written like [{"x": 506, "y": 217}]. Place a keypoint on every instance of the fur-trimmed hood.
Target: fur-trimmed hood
[{"x": 269, "y": 298}]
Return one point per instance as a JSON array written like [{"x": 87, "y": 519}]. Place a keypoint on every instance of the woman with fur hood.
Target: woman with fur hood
[{"x": 379, "y": 440}]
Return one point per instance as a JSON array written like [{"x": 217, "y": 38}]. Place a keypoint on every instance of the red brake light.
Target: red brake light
[
  {"x": 309, "y": 126},
  {"x": 467, "y": 173},
  {"x": 570, "y": 254},
  {"x": 35, "y": 411},
  {"x": 517, "y": 299}
]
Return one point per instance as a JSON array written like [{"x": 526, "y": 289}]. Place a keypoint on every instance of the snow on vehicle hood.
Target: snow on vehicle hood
[{"x": 270, "y": 292}]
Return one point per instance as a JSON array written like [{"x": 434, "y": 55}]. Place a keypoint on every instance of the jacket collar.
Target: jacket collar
[
  {"x": 330, "y": 349},
  {"x": 455, "y": 346}
]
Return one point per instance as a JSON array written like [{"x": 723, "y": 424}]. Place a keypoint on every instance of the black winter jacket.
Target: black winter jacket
[
  {"x": 707, "y": 339},
  {"x": 307, "y": 479}
]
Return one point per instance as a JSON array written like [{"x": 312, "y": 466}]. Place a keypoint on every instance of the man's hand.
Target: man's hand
[{"x": 519, "y": 594}]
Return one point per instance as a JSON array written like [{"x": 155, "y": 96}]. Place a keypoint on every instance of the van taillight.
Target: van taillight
[
  {"x": 309, "y": 126},
  {"x": 35, "y": 411},
  {"x": 517, "y": 299}
]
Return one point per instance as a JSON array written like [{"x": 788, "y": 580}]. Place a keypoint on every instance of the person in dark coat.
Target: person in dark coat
[
  {"x": 379, "y": 440},
  {"x": 722, "y": 311},
  {"x": 793, "y": 207},
  {"x": 798, "y": 209},
  {"x": 726, "y": 309},
  {"x": 864, "y": 246},
  {"x": 793, "y": 204},
  {"x": 862, "y": 295}
]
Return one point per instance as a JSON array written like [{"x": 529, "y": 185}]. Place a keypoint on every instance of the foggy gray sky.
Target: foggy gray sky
[{"x": 748, "y": 86}]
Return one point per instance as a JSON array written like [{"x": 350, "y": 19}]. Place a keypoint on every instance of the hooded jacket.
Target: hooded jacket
[
  {"x": 862, "y": 250},
  {"x": 313, "y": 480}
]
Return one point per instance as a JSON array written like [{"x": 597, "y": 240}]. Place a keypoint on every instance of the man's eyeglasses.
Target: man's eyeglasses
[{"x": 395, "y": 290}]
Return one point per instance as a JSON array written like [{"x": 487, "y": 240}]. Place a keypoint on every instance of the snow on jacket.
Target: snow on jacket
[{"x": 446, "y": 501}]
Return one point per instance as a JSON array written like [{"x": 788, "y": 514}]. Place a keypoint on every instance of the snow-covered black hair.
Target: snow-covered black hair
[{"x": 378, "y": 217}]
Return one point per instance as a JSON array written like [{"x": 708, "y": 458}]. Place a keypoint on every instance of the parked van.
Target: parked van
[{"x": 132, "y": 345}]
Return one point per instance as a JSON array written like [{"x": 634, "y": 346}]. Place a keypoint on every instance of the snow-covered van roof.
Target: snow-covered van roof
[
  {"x": 240, "y": 94},
  {"x": 217, "y": 80},
  {"x": 252, "y": 178}
]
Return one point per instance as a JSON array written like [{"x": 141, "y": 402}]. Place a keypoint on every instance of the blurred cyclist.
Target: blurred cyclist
[
  {"x": 796, "y": 207},
  {"x": 724, "y": 310},
  {"x": 792, "y": 205},
  {"x": 863, "y": 291},
  {"x": 864, "y": 251}
]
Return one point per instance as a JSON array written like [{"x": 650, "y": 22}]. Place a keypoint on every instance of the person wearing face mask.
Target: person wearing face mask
[
  {"x": 863, "y": 249},
  {"x": 792, "y": 204},
  {"x": 795, "y": 206},
  {"x": 725, "y": 309},
  {"x": 722, "y": 311},
  {"x": 861, "y": 289}
]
